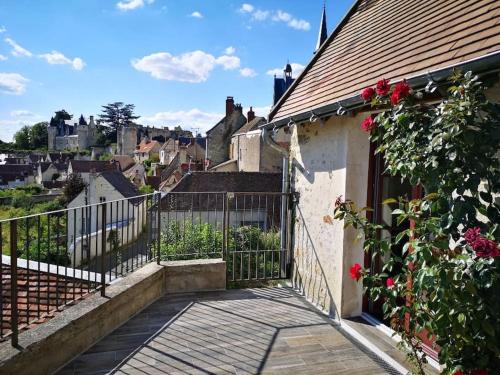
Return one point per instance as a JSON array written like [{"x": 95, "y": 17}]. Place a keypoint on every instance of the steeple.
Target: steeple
[{"x": 323, "y": 33}]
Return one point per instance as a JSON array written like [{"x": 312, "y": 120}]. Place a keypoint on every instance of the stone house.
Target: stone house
[
  {"x": 147, "y": 150},
  {"x": 219, "y": 136},
  {"x": 126, "y": 218},
  {"x": 14, "y": 175},
  {"x": 45, "y": 172},
  {"x": 331, "y": 156}
]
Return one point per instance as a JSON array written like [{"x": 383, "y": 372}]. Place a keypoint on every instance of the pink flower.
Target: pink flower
[
  {"x": 355, "y": 271},
  {"x": 401, "y": 91},
  {"x": 383, "y": 87},
  {"x": 389, "y": 282},
  {"x": 368, "y": 94},
  {"x": 368, "y": 124}
]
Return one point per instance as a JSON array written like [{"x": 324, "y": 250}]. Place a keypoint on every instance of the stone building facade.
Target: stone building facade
[{"x": 72, "y": 136}]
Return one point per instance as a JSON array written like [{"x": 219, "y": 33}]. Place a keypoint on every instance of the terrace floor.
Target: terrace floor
[{"x": 246, "y": 331}]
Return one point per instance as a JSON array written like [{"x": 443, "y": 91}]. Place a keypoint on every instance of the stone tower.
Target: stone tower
[{"x": 127, "y": 140}]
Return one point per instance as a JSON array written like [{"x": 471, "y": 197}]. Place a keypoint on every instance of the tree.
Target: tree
[
  {"x": 118, "y": 114},
  {"x": 445, "y": 283},
  {"x": 74, "y": 185},
  {"x": 39, "y": 136},
  {"x": 62, "y": 115},
  {"x": 22, "y": 138}
]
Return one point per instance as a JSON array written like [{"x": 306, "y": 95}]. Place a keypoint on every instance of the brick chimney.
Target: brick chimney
[
  {"x": 229, "y": 105},
  {"x": 250, "y": 114}
]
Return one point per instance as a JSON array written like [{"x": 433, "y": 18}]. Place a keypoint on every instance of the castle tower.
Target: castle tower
[{"x": 127, "y": 140}]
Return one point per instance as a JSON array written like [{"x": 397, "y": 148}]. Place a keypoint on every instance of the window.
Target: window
[{"x": 102, "y": 199}]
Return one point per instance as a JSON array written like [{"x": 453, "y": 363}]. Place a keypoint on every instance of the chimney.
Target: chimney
[
  {"x": 250, "y": 114},
  {"x": 229, "y": 105}
]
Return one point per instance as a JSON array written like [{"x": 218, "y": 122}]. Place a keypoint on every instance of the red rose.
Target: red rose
[
  {"x": 458, "y": 372},
  {"x": 485, "y": 247},
  {"x": 383, "y": 87},
  {"x": 368, "y": 124},
  {"x": 389, "y": 282},
  {"x": 472, "y": 234},
  {"x": 355, "y": 271},
  {"x": 479, "y": 371},
  {"x": 401, "y": 91},
  {"x": 368, "y": 94}
]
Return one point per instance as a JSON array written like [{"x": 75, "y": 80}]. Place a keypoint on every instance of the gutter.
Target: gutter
[{"x": 480, "y": 65}]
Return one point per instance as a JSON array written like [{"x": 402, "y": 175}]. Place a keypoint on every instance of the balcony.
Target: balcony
[{"x": 164, "y": 284}]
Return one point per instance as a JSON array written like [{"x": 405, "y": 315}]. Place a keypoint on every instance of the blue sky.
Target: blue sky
[{"x": 175, "y": 60}]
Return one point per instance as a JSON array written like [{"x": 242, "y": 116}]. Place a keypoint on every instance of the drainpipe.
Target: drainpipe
[{"x": 285, "y": 189}]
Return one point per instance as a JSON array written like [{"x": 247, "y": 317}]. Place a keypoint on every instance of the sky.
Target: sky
[{"x": 176, "y": 61}]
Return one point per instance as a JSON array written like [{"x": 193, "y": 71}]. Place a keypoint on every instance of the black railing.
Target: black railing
[{"x": 54, "y": 259}]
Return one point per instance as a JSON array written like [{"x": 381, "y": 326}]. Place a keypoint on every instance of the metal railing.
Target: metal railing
[{"x": 54, "y": 259}]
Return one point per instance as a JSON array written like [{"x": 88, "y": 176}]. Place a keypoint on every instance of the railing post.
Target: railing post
[
  {"x": 13, "y": 283},
  {"x": 103, "y": 249},
  {"x": 158, "y": 228}
]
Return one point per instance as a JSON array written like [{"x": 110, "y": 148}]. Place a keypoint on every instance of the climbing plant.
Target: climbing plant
[{"x": 445, "y": 283}]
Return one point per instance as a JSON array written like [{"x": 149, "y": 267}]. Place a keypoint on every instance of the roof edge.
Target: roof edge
[
  {"x": 480, "y": 65},
  {"x": 315, "y": 57}
]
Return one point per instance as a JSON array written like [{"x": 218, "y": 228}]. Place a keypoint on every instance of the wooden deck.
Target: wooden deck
[{"x": 247, "y": 331}]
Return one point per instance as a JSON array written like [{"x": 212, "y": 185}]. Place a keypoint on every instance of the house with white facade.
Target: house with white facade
[{"x": 125, "y": 212}]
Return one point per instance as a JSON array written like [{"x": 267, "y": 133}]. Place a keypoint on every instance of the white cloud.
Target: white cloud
[
  {"x": 260, "y": 15},
  {"x": 13, "y": 83},
  {"x": 296, "y": 70},
  {"x": 196, "y": 14},
  {"x": 2, "y": 29},
  {"x": 23, "y": 113},
  {"x": 247, "y": 8},
  {"x": 3, "y": 58},
  {"x": 126, "y": 5},
  {"x": 17, "y": 50},
  {"x": 57, "y": 58},
  {"x": 228, "y": 62},
  {"x": 193, "y": 118},
  {"x": 230, "y": 50},
  {"x": 299, "y": 24},
  {"x": 248, "y": 72},
  {"x": 276, "y": 16},
  {"x": 193, "y": 67}
]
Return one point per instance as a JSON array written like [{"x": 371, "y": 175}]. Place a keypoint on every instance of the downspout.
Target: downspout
[{"x": 285, "y": 190}]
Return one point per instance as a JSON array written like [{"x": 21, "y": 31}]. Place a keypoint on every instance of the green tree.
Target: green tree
[
  {"x": 62, "y": 115},
  {"x": 118, "y": 114},
  {"x": 39, "y": 136},
  {"x": 22, "y": 138}
]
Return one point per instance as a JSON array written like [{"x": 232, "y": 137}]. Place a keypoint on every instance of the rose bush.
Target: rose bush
[{"x": 447, "y": 281}]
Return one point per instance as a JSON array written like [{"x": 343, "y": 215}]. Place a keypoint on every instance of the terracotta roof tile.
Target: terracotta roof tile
[
  {"x": 382, "y": 38},
  {"x": 40, "y": 297}
]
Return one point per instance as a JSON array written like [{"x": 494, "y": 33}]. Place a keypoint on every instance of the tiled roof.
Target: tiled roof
[
  {"x": 252, "y": 125},
  {"x": 39, "y": 296},
  {"x": 229, "y": 181},
  {"x": 147, "y": 146},
  {"x": 125, "y": 161},
  {"x": 121, "y": 184},
  {"x": 392, "y": 39},
  {"x": 87, "y": 166}
]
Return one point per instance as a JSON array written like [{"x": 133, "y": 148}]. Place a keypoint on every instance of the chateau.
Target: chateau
[{"x": 77, "y": 136}]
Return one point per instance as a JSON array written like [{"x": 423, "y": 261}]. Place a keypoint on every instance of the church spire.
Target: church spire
[{"x": 323, "y": 33}]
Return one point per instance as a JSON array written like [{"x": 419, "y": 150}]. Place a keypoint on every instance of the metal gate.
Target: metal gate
[{"x": 257, "y": 236}]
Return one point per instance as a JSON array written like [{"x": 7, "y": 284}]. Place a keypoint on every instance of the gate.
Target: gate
[{"x": 256, "y": 236}]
